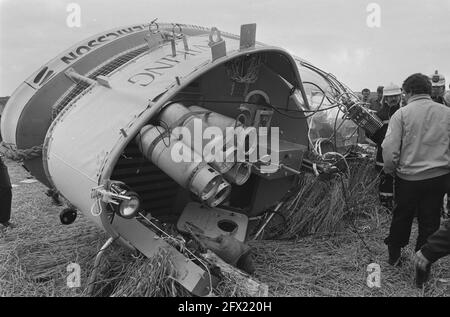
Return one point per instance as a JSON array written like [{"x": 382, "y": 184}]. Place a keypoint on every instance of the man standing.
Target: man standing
[
  {"x": 417, "y": 150},
  {"x": 438, "y": 87},
  {"x": 5, "y": 195},
  {"x": 375, "y": 103},
  {"x": 447, "y": 98},
  {"x": 365, "y": 95},
  {"x": 447, "y": 211},
  {"x": 390, "y": 104}
]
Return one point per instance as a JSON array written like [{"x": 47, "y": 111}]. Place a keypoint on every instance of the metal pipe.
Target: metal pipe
[
  {"x": 214, "y": 119},
  {"x": 222, "y": 193},
  {"x": 188, "y": 170},
  {"x": 73, "y": 75},
  {"x": 268, "y": 220},
  {"x": 239, "y": 174},
  {"x": 178, "y": 115}
]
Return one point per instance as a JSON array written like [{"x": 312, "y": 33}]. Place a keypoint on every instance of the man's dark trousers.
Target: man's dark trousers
[
  {"x": 426, "y": 196},
  {"x": 5, "y": 194}
]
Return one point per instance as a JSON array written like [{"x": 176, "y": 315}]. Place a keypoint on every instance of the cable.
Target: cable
[
  {"x": 320, "y": 88},
  {"x": 252, "y": 103},
  {"x": 167, "y": 133},
  {"x": 342, "y": 158}
]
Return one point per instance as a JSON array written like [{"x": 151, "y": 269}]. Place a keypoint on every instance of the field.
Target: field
[{"x": 34, "y": 257}]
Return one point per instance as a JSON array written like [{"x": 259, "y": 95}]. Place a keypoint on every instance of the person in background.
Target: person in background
[
  {"x": 447, "y": 98},
  {"x": 390, "y": 104},
  {"x": 437, "y": 87},
  {"x": 446, "y": 208},
  {"x": 5, "y": 196},
  {"x": 375, "y": 103},
  {"x": 365, "y": 95},
  {"x": 416, "y": 150}
]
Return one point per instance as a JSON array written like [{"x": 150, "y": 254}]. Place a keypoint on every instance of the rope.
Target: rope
[
  {"x": 238, "y": 73},
  {"x": 10, "y": 151}
]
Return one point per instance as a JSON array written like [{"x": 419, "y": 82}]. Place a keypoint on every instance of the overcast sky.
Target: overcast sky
[{"x": 414, "y": 35}]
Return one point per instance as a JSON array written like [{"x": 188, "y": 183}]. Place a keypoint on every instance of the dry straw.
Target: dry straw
[
  {"x": 317, "y": 252},
  {"x": 322, "y": 206}
]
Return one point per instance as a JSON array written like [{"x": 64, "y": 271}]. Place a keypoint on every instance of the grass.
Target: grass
[{"x": 308, "y": 261}]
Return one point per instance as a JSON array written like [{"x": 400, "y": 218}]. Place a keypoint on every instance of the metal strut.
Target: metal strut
[{"x": 98, "y": 258}]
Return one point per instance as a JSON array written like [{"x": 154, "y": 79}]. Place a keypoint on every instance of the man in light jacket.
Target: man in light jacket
[{"x": 416, "y": 150}]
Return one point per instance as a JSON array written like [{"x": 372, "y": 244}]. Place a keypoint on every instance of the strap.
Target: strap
[
  {"x": 186, "y": 116},
  {"x": 160, "y": 137}
]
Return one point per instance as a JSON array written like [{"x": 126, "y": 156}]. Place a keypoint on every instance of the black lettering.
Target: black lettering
[
  {"x": 49, "y": 74},
  {"x": 129, "y": 30},
  {"x": 112, "y": 34},
  {"x": 102, "y": 39},
  {"x": 138, "y": 27},
  {"x": 92, "y": 43},
  {"x": 69, "y": 59},
  {"x": 40, "y": 74},
  {"x": 80, "y": 48}
]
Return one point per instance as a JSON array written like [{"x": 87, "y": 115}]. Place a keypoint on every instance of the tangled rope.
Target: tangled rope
[
  {"x": 239, "y": 72},
  {"x": 10, "y": 151}
]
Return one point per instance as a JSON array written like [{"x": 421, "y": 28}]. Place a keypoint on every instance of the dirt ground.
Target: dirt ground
[{"x": 34, "y": 256}]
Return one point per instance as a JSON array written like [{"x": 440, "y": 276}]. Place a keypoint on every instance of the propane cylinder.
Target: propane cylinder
[
  {"x": 191, "y": 172},
  {"x": 214, "y": 119},
  {"x": 177, "y": 115}
]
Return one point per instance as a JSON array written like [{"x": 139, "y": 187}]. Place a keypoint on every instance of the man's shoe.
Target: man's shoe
[
  {"x": 394, "y": 256},
  {"x": 422, "y": 276}
]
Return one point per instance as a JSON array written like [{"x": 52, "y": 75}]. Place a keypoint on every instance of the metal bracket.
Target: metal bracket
[
  {"x": 154, "y": 37},
  {"x": 248, "y": 36},
  {"x": 166, "y": 36},
  {"x": 218, "y": 46},
  {"x": 107, "y": 196},
  {"x": 76, "y": 78},
  {"x": 153, "y": 40},
  {"x": 104, "y": 81}
]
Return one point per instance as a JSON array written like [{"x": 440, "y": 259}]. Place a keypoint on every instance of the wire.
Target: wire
[
  {"x": 334, "y": 128},
  {"x": 279, "y": 110},
  {"x": 320, "y": 88},
  {"x": 167, "y": 133},
  {"x": 342, "y": 158}
]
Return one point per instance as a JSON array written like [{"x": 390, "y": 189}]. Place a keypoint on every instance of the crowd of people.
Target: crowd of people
[{"x": 413, "y": 160}]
